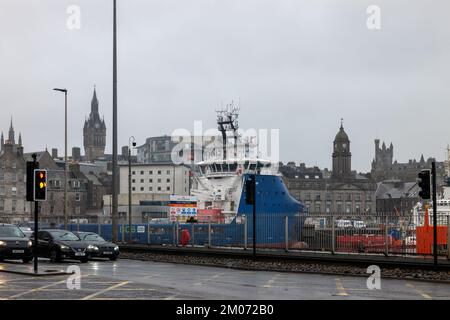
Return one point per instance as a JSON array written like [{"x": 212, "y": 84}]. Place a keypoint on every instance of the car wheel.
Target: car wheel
[
  {"x": 27, "y": 260},
  {"x": 113, "y": 258},
  {"x": 54, "y": 256}
]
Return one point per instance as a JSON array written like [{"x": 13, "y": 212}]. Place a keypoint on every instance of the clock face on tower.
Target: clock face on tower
[{"x": 344, "y": 146}]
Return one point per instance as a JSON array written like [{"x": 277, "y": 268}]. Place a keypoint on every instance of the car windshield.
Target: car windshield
[
  {"x": 11, "y": 232},
  {"x": 93, "y": 237},
  {"x": 64, "y": 235}
]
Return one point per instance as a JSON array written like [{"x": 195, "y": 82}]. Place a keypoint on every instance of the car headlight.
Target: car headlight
[
  {"x": 63, "y": 247},
  {"x": 30, "y": 243},
  {"x": 91, "y": 247},
  {"x": 116, "y": 248},
  {"x": 2, "y": 243}
]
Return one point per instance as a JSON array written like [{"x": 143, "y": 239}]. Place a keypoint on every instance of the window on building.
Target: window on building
[
  {"x": 150, "y": 180},
  {"x": 2, "y": 189},
  {"x": 2, "y": 176},
  {"x": 159, "y": 180},
  {"x": 339, "y": 208},
  {"x": 340, "y": 196},
  {"x": 142, "y": 172},
  {"x": 159, "y": 188},
  {"x": 142, "y": 180},
  {"x": 133, "y": 181},
  {"x": 328, "y": 208},
  {"x": 133, "y": 189},
  {"x": 77, "y": 197},
  {"x": 349, "y": 197},
  {"x": 308, "y": 196},
  {"x": 168, "y": 172},
  {"x": 159, "y": 171},
  {"x": 306, "y": 176},
  {"x": 358, "y": 208},
  {"x": 14, "y": 177},
  {"x": 142, "y": 188},
  {"x": 317, "y": 196},
  {"x": 76, "y": 184},
  {"x": 357, "y": 197},
  {"x": 328, "y": 196},
  {"x": 168, "y": 188},
  {"x": 13, "y": 191},
  {"x": 14, "y": 204},
  {"x": 150, "y": 189},
  {"x": 168, "y": 180},
  {"x": 317, "y": 208},
  {"x": 348, "y": 208},
  {"x": 2, "y": 204},
  {"x": 368, "y": 197},
  {"x": 150, "y": 172},
  {"x": 133, "y": 172}
]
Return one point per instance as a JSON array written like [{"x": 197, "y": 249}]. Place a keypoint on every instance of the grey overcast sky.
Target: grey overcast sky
[{"x": 296, "y": 65}]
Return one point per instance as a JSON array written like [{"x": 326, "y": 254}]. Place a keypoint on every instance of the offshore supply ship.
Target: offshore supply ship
[{"x": 219, "y": 186}]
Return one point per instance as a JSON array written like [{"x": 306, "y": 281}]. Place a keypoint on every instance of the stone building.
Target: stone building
[
  {"x": 396, "y": 196},
  {"x": 94, "y": 133},
  {"x": 384, "y": 167},
  {"x": 13, "y": 204},
  {"x": 342, "y": 192}
]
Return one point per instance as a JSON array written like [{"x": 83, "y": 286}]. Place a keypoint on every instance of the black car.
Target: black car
[
  {"x": 61, "y": 244},
  {"x": 14, "y": 244},
  {"x": 101, "y": 248}
]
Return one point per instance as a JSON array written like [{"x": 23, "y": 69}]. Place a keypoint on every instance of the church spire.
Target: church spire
[
  {"x": 11, "y": 133},
  {"x": 20, "y": 139},
  {"x": 94, "y": 102},
  {"x": 2, "y": 142}
]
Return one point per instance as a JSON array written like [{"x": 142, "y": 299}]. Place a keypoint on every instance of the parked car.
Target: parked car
[
  {"x": 27, "y": 231},
  {"x": 344, "y": 223},
  {"x": 358, "y": 224},
  {"x": 14, "y": 244},
  {"x": 61, "y": 244},
  {"x": 101, "y": 247}
]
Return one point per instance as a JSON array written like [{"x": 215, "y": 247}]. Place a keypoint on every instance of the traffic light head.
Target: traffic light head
[
  {"x": 250, "y": 185},
  {"x": 40, "y": 185},
  {"x": 424, "y": 183}
]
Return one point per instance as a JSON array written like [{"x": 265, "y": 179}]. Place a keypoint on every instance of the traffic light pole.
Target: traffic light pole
[
  {"x": 433, "y": 175},
  {"x": 254, "y": 215},
  {"x": 36, "y": 226}
]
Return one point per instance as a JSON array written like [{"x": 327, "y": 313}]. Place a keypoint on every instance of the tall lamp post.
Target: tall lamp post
[
  {"x": 65, "y": 156},
  {"x": 131, "y": 143},
  {"x": 115, "y": 178}
]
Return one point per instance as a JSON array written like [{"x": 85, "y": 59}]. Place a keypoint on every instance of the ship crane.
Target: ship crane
[{"x": 227, "y": 120}]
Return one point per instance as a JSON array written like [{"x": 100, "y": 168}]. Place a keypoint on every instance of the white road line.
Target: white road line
[
  {"x": 423, "y": 294},
  {"x": 36, "y": 289},
  {"x": 340, "y": 288},
  {"x": 105, "y": 290}
]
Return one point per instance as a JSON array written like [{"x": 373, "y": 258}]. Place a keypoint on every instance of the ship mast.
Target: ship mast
[{"x": 227, "y": 120}]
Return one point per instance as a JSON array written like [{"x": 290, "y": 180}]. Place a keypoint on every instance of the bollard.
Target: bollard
[
  {"x": 245, "y": 233},
  {"x": 209, "y": 233},
  {"x": 386, "y": 245},
  {"x": 333, "y": 235},
  {"x": 99, "y": 229},
  {"x": 173, "y": 233},
  {"x": 286, "y": 233},
  {"x": 123, "y": 233}
]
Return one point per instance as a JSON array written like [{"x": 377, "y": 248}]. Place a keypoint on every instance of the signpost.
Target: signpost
[{"x": 182, "y": 207}]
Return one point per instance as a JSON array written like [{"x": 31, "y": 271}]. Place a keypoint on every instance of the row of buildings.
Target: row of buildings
[{"x": 390, "y": 186}]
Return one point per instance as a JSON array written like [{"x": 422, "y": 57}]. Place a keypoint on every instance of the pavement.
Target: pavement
[{"x": 133, "y": 280}]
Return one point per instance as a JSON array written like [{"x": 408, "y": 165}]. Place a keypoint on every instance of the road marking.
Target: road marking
[
  {"x": 105, "y": 290},
  {"x": 340, "y": 288},
  {"x": 271, "y": 281},
  {"x": 37, "y": 289},
  {"x": 423, "y": 294},
  {"x": 170, "y": 298}
]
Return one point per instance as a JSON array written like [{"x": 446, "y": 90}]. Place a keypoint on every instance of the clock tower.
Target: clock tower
[
  {"x": 94, "y": 133},
  {"x": 342, "y": 158}
]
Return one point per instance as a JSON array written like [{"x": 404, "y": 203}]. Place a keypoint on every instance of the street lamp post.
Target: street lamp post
[
  {"x": 131, "y": 143},
  {"x": 65, "y": 156}
]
